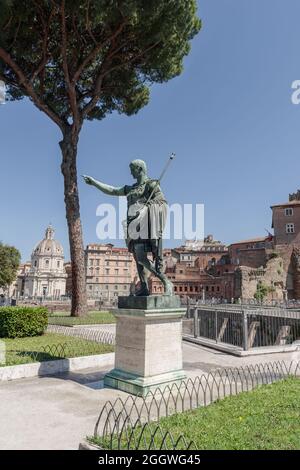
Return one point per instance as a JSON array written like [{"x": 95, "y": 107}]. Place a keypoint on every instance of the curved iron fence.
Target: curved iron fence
[
  {"x": 55, "y": 351},
  {"x": 144, "y": 436},
  {"x": 97, "y": 336},
  {"x": 118, "y": 420}
]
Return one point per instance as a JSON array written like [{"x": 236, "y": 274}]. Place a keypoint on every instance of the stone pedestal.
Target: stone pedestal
[{"x": 148, "y": 344}]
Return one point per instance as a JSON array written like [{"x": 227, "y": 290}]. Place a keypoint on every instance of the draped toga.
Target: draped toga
[{"x": 146, "y": 220}]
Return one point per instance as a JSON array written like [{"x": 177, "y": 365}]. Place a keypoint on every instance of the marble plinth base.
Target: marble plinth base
[
  {"x": 148, "y": 345},
  {"x": 149, "y": 302},
  {"x": 138, "y": 385}
]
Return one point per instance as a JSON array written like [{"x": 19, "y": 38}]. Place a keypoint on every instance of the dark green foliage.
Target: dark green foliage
[
  {"x": 9, "y": 262},
  {"x": 119, "y": 47},
  {"x": 19, "y": 322},
  {"x": 83, "y": 59},
  {"x": 261, "y": 291}
]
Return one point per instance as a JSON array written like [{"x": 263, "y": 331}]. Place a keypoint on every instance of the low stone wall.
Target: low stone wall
[{"x": 35, "y": 369}]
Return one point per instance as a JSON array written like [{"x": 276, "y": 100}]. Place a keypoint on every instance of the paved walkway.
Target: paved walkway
[{"x": 58, "y": 412}]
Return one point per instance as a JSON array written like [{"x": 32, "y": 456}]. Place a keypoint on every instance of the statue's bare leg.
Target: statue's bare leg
[
  {"x": 143, "y": 275},
  {"x": 145, "y": 267}
]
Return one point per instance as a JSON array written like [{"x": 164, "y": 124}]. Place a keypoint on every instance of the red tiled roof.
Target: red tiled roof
[{"x": 251, "y": 240}]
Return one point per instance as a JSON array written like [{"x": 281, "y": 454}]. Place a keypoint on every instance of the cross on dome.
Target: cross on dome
[{"x": 50, "y": 232}]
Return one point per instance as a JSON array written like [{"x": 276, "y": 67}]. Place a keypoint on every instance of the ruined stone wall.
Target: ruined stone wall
[{"x": 272, "y": 275}]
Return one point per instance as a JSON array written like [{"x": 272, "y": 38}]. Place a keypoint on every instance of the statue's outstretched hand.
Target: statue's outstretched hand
[{"x": 88, "y": 179}]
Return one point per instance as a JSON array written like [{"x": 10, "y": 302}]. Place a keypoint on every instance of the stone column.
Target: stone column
[{"x": 148, "y": 344}]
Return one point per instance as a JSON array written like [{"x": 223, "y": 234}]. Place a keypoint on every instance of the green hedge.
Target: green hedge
[{"x": 19, "y": 322}]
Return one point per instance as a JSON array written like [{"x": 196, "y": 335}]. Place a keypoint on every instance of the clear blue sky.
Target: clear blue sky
[{"x": 229, "y": 118}]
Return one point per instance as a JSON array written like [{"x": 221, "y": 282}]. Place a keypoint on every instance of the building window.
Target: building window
[
  {"x": 58, "y": 264},
  {"x": 290, "y": 228},
  {"x": 47, "y": 263},
  {"x": 288, "y": 212}
]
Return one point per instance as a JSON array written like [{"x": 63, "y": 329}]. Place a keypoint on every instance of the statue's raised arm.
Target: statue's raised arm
[{"x": 105, "y": 188}]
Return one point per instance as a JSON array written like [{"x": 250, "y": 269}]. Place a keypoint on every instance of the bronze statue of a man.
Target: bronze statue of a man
[{"x": 146, "y": 219}]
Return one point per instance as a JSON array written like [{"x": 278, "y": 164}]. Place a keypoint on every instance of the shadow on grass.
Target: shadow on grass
[{"x": 48, "y": 353}]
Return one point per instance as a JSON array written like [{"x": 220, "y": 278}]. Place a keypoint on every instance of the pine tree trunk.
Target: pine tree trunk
[{"x": 69, "y": 170}]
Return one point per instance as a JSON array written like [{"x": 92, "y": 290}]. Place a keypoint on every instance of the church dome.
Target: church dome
[
  {"x": 47, "y": 275},
  {"x": 48, "y": 246}
]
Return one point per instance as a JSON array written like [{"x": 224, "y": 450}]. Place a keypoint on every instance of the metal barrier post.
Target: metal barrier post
[
  {"x": 196, "y": 323},
  {"x": 245, "y": 330},
  {"x": 216, "y": 325}
]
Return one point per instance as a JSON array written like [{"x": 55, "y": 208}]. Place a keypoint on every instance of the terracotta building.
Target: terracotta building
[
  {"x": 250, "y": 252},
  {"x": 110, "y": 272},
  {"x": 198, "y": 270},
  {"x": 209, "y": 269},
  {"x": 196, "y": 283},
  {"x": 207, "y": 252},
  {"x": 286, "y": 221},
  {"x": 273, "y": 261}
]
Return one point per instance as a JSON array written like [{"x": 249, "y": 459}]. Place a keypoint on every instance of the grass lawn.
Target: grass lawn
[
  {"x": 48, "y": 347},
  {"x": 265, "y": 418},
  {"x": 92, "y": 318}
]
